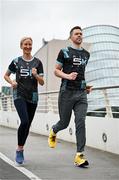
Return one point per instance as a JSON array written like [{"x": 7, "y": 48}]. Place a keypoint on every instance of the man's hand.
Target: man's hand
[
  {"x": 72, "y": 76},
  {"x": 88, "y": 89}
]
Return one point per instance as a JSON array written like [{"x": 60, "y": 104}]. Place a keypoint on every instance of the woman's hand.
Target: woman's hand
[
  {"x": 34, "y": 72},
  {"x": 9, "y": 80},
  {"x": 14, "y": 84},
  {"x": 39, "y": 78}
]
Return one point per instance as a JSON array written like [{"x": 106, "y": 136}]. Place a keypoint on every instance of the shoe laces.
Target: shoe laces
[
  {"x": 53, "y": 138},
  {"x": 20, "y": 153},
  {"x": 81, "y": 156}
]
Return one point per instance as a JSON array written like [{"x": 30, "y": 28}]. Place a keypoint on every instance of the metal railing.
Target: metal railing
[{"x": 103, "y": 101}]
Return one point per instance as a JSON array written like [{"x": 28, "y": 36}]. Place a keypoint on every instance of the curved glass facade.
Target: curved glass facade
[{"x": 103, "y": 66}]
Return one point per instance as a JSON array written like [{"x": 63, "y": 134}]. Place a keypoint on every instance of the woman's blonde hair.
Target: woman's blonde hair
[{"x": 23, "y": 39}]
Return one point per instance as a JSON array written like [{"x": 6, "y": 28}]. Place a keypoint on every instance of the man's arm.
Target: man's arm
[{"x": 59, "y": 73}]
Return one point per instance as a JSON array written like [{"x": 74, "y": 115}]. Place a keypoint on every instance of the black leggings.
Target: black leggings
[{"x": 26, "y": 113}]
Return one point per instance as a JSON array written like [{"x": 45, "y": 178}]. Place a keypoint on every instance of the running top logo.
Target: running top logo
[
  {"x": 79, "y": 61},
  {"x": 25, "y": 72}
]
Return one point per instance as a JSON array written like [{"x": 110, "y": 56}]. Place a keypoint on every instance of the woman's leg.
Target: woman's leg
[
  {"x": 21, "y": 107},
  {"x": 31, "y": 108}
]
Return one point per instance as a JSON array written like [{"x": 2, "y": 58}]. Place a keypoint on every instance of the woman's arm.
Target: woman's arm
[
  {"x": 38, "y": 77},
  {"x": 8, "y": 79}
]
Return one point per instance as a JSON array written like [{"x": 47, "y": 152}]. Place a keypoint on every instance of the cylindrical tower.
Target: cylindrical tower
[{"x": 103, "y": 66}]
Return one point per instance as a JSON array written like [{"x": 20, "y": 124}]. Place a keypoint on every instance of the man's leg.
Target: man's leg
[
  {"x": 80, "y": 110},
  {"x": 65, "y": 104}
]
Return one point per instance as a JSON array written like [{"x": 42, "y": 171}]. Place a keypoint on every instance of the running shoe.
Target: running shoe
[
  {"x": 52, "y": 139},
  {"x": 19, "y": 157},
  {"x": 80, "y": 161}
]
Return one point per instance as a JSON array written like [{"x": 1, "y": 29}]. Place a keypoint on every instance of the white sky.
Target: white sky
[{"x": 47, "y": 19}]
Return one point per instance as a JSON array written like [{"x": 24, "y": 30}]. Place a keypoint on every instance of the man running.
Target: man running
[{"x": 70, "y": 67}]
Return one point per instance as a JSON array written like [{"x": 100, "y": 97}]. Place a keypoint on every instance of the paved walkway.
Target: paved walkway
[{"x": 53, "y": 164}]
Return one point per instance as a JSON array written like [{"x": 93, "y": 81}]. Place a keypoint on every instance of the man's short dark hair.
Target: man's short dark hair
[{"x": 76, "y": 27}]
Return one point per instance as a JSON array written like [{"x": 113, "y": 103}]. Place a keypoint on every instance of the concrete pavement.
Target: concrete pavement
[{"x": 55, "y": 164}]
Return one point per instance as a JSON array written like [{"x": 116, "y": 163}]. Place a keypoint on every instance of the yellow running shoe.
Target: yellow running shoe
[
  {"x": 80, "y": 161},
  {"x": 52, "y": 139}
]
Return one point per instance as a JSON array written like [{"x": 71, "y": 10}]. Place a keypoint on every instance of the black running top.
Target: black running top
[
  {"x": 27, "y": 84},
  {"x": 73, "y": 60}
]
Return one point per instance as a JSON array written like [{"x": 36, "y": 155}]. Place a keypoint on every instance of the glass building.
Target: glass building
[{"x": 103, "y": 66}]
